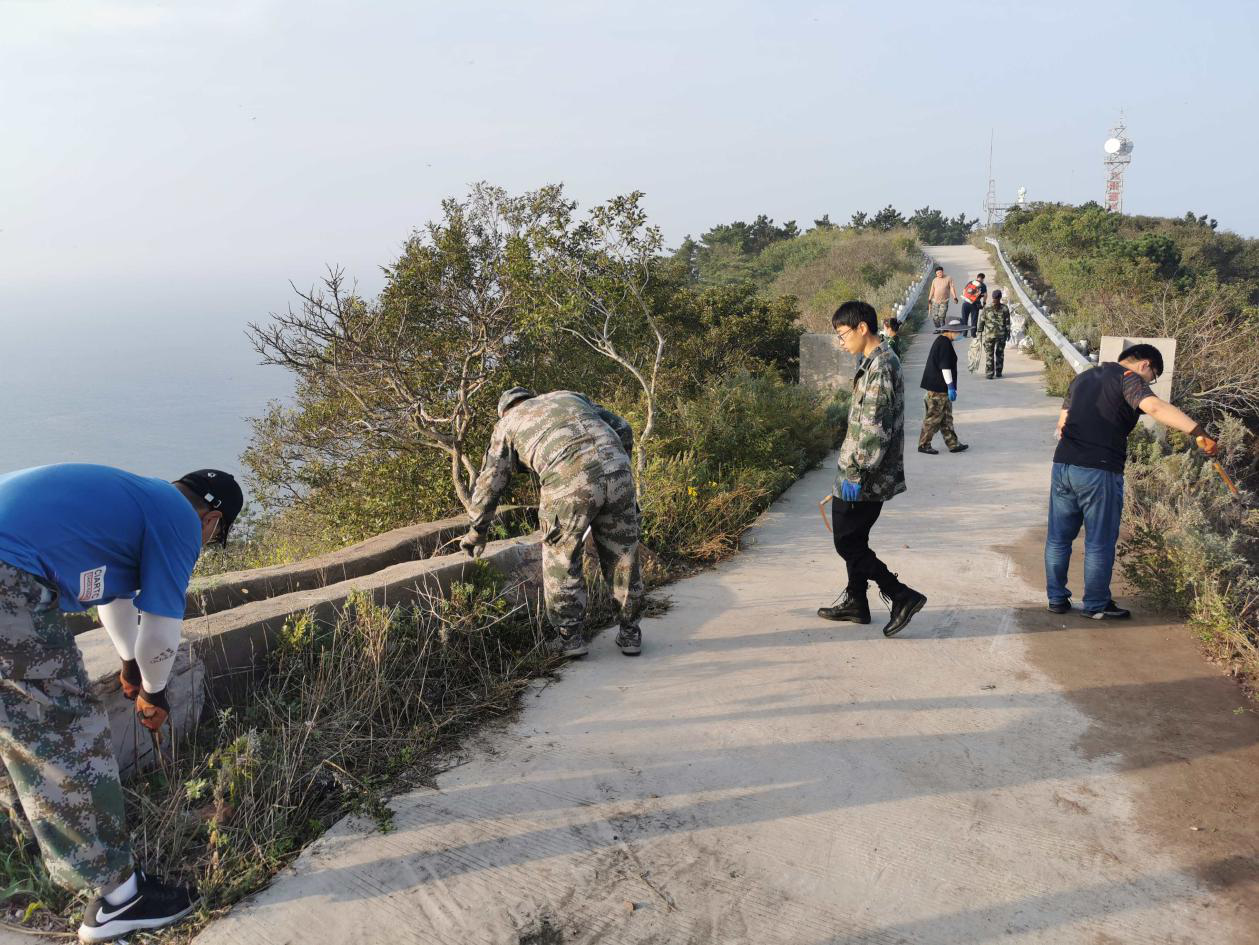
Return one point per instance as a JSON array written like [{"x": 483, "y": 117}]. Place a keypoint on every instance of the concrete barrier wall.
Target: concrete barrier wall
[{"x": 226, "y": 648}]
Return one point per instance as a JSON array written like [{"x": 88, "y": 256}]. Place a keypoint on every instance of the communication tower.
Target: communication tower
[
  {"x": 994, "y": 210},
  {"x": 1118, "y": 148}
]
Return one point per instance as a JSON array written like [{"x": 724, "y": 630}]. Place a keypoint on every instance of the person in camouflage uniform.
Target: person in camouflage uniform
[
  {"x": 56, "y": 743},
  {"x": 581, "y": 455},
  {"x": 938, "y": 293},
  {"x": 994, "y": 332},
  {"x": 871, "y": 470},
  {"x": 939, "y": 381}
]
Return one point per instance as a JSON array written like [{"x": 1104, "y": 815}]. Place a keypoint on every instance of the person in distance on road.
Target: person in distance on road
[
  {"x": 74, "y": 536},
  {"x": 871, "y": 471},
  {"x": 939, "y": 380},
  {"x": 974, "y": 296},
  {"x": 581, "y": 455},
  {"x": 994, "y": 332},
  {"x": 938, "y": 294},
  {"x": 1086, "y": 488},
  {"x": 891, "y": 333}
]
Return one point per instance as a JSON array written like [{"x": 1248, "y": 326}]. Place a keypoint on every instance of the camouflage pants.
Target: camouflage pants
[
  {"x": 60, "y": 778},
  {"x": 938, "y": 418},
  {"x": 938, "y": 311},
  {"x": 995, "y": 354},
  {"x": 607, "y": 505}
]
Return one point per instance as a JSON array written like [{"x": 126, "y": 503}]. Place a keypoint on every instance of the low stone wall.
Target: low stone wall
[{"x": 224, "y": 648}]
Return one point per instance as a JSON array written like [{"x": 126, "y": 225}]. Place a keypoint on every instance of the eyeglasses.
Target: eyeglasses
[{"x": 844, "y": 334}]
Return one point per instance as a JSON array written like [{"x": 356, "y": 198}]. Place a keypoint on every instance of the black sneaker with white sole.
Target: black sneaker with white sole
[
  {"x": 154, "y": 906},
  {"x": 1111, "y": 611}
]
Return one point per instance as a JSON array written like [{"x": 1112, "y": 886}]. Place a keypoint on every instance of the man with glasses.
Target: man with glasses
[
  {"x": 1101, "y": 408},
  {"x": 74, "y": 536},
  {"x": 871, "y": 471}
]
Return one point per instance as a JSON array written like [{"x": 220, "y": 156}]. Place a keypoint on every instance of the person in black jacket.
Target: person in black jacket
[{"x": 939, "y": 380}]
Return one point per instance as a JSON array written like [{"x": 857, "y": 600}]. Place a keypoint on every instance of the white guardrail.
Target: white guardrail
[
  {"x": 1079, "y": 363},
  {"x": 906, "y": 305}
]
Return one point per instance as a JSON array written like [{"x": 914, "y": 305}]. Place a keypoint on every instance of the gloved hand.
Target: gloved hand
[
  {"x": 952, "y": 392},
  {"x": 472, "y": 544},
  {"x": 1205, "y": 443},
  {"x": 152, "y": 708},
  {"x": 850, "y": 491},
  {"x": 129, "y": 679}
]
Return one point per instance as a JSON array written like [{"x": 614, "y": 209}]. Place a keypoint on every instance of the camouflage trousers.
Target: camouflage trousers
[
  {"x": 60, "y": 779},
  {"x": 938, "y": 311},
  {"x": 994, "y": 352},
  {"x": 938, "y": 417},
  {"x": 606, "y": 504}
]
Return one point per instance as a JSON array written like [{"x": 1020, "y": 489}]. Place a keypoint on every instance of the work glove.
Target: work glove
[
  {"x": 129, "y": 679},
  {"x": 850, "y": 491},
  {"x": 952, "y": 392},
  {"x": 152, "y": 708},
  {"x": 1206, "y": 444},
  {"x": 472, "y": 544}
]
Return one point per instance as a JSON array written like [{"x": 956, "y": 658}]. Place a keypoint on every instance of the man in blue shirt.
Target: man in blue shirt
[{"x": 75, "y": 536}]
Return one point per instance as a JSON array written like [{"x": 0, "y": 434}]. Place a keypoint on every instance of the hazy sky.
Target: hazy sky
[{"x": 171, "y": 150}]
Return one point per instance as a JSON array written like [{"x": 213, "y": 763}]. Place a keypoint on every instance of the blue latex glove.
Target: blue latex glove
[
  {"x": 850, "y": 491},
  {"x": 952, "y": 392}
]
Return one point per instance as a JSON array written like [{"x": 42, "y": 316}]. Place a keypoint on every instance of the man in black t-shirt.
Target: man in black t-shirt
[
  {"x": 939, "y": 380},
  {"x": 1101, "y": 408}
]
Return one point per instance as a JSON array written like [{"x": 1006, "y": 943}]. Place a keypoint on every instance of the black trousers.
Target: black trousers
[
  {"x": 852, "y": 522},
  {"x": 970, "y": 315}
]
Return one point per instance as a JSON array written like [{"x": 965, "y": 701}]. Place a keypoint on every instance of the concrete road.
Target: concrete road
[{"x": 758, "y": 775}]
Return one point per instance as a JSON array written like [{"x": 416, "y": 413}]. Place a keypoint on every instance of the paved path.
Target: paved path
[{"x": 761, "y": 776}]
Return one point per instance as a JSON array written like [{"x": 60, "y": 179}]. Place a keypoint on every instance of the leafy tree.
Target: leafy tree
[{"x": 889, "y": 218}]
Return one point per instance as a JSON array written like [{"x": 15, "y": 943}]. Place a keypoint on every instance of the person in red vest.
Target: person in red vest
[{"x": 974, "y": 297}]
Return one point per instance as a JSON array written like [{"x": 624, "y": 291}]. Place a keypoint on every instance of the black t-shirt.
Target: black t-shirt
[
  {"x": 1102, "y": 409},
  {"x": 940, "y": 358}
]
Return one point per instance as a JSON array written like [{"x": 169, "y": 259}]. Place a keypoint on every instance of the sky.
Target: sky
[{"x": 180, "y": 163}]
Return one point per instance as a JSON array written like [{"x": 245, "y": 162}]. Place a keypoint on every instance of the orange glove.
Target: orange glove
[
  {"x": 129, "y": 679},
  {"x": 1207, "y": 445},
  {"x": 152, "y": 708}
]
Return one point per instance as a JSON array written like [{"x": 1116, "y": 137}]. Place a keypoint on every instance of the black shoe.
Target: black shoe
[
  {"x": 990, "y": 376},
  {"x": 998, "y": 374},
  {"x": 929, "y": 450},
  {"x": 630, "y": 640},
  {"x": 960, "y": 448},
  {"x": 1060, "y": 606},
  {"x": 154, "y": 906},
  {"x": 851, "y": 607},
  {"x": 904, "y": 603},
  {"x": 1111, "y": 611}
]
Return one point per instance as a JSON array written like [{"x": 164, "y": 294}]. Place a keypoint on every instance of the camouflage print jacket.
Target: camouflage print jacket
[
  {"x": 994, "y": 323},
  {"x": 562, "y": 436},
  {"x": 873, "y": 451}
]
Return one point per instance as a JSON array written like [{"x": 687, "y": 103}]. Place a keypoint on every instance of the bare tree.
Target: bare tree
[
  {"x": 412, "y": 370},
  {"x": 596, "y": 280}
]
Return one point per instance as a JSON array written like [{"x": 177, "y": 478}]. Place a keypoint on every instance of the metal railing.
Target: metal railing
[{"x": 1079, "y": 363}]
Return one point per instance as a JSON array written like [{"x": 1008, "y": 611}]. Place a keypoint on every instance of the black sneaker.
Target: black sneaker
[
  {"x": 929, "y": 450},
  {"x": 960, "y": 448},
  {"x": 1111, "y": 611},
  {"x": 154, "y": 906},
  {"x": 630, "y": 640},
  {"x": 904, "y": 604},
  {"x": 1060, "y": 606},
  {"x": 851, "y": 607}
]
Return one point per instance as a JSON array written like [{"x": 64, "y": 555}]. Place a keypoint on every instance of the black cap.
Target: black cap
[{"x": 218, "y": 490}]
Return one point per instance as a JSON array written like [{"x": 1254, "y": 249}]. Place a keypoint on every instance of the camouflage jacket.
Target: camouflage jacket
[
  {"x": 994, "y": 323},
  {"x": 562, "y": 436},
  {"x": 873, "y": 451}
]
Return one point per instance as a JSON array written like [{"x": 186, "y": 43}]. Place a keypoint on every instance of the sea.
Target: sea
[{"x": 157, "y": 393}]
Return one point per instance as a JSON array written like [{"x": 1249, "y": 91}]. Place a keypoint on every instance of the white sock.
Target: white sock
[{"x": 123, "y": 891}]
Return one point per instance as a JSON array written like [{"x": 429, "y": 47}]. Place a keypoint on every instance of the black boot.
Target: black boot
[
  {"x": 851, "y": 607},
  {"x": 904, "y": 604}
]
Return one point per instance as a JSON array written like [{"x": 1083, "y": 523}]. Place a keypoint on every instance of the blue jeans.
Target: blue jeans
[{"x": 1093, "y": 498}]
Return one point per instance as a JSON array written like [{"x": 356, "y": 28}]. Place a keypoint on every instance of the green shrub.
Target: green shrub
[
  {"x": 724, "y": 455},
  {"x": 1193, "y": 546}
]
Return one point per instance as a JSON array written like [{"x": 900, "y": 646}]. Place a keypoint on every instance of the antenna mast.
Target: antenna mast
[{"x": 1118, "y": 148}]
